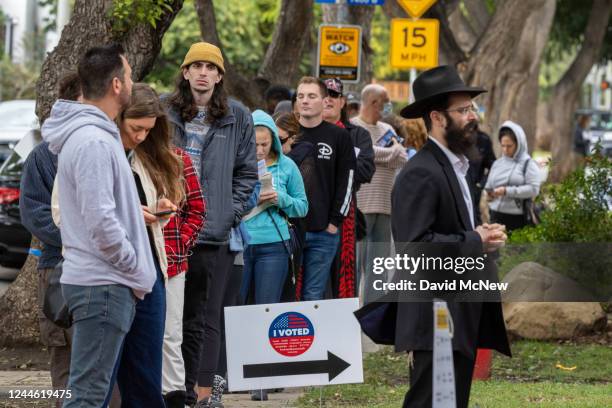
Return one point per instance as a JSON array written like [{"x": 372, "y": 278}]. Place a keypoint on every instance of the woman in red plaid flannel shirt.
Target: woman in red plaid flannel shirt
[{"x": 180, "y": 235}]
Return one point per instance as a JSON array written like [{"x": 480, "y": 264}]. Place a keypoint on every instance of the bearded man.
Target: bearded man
[{"x": 431, "y": 203}]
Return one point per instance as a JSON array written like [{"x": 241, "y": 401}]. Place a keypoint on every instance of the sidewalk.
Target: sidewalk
[{"x": 40, "y": 380}]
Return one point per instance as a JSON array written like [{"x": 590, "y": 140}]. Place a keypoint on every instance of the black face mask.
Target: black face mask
[{"x": 461, "y": 140}]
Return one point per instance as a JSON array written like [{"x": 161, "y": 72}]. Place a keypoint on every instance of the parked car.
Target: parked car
[
  {"x": 14, "y": 238},
  {"x": 600, "y": 129},
  {"x": 17, "y": 118}
]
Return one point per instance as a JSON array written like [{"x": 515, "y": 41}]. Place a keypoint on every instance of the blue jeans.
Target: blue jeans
[
  {"x": 319, "y": 252},
  {"x": 266, "y": 266},
  {"x": 102, "y": 317},
  {"x": 140, "y": 367}
]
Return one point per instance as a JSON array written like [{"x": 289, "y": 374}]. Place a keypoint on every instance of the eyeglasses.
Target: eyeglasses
[
  {"x": 334, "y": 95},
  {"x": 463, "y": 111},
  {"x": 285, "y": 140}
]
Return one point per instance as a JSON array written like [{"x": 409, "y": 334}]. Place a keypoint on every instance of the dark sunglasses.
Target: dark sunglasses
[
  {"x": 285, "y": 140},
  {"x": 334, "y": 95}
]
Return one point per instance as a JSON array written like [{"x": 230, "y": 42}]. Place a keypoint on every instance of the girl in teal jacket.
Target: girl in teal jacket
[{"x": 266, "y": 258}]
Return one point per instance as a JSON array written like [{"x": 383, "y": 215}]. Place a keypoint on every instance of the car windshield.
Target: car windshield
[
  {"x": 601, "y": 121},
  {"x": 11, "y": 168},
  {"x": 18, "y": 114}
]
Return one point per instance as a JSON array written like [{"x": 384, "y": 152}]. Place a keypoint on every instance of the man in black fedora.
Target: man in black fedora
[{"x": 431, "y": 203}]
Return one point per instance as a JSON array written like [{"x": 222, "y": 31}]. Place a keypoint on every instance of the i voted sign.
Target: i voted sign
[{"x": 293, "y": 344}]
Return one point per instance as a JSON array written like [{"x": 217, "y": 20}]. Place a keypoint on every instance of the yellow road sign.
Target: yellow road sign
[
  {"x": 414, "y": 43},
  {"x": 339, "y": 52},
  {"x": 416, "y": 8}
]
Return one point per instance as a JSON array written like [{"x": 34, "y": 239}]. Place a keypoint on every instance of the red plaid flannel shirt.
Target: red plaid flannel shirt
[{"x": 182, "y": 230}]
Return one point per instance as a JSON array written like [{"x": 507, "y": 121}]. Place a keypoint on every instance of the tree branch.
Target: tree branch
[
  {"x": 88, "y": 27},
  {"x": 283, "y": 56},
  {"x": 594, "y": 35}
]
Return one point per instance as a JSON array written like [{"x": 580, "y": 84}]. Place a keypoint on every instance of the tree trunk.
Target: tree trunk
[
  {"x": 88, "y": 27},
  {"x": 19, "y": 306},
  {"x": 559, "y": 110},
  {"x": 506, "y": 62},
  {"x": 468, "y": 26},
  {"x": 282, "y": 60}
]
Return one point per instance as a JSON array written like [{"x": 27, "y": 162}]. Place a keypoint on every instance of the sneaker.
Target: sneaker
[
  {"x": 217, "y": 392},
  {"x": 259, "y": 395},
  {"x": 202, "y": 404},
  {"x": 208, "y": 403}
]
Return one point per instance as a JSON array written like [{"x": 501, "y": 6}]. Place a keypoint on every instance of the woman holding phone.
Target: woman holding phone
[
  {"x": 156, "y": 169},
  {"x": 513, "y": 178},
  {"x": 266, "y": 259}
]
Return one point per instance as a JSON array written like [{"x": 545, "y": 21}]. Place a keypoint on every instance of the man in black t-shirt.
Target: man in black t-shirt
[{"x": 330, "y": 200}]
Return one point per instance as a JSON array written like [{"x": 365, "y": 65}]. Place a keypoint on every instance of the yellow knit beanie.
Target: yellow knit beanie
[{"x": 206, "y": 52}]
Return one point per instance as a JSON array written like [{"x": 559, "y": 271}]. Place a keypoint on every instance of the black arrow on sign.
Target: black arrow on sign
[{"x": 333, "y": 366}]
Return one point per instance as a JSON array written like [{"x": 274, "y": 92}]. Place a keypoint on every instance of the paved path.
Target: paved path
[{"x": 40, "y": 380}]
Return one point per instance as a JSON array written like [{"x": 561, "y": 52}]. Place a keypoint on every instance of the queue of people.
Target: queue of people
[{"x": 166, "y": 209}]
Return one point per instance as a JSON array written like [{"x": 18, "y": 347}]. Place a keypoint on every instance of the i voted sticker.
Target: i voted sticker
[{"x": 291, "y": 334}]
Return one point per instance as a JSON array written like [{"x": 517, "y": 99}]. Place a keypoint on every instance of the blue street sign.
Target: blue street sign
[
  {"x": 366, "y": 2},
  {"x": 325, "y": 1}
]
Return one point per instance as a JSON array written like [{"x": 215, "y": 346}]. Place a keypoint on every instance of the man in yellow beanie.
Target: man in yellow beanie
[{"x": 218, "y": 134}]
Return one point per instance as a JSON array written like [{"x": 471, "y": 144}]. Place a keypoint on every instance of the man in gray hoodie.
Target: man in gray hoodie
[{"x": 107, "y": 257}]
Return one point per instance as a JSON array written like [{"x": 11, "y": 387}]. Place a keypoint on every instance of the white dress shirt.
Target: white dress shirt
[{"x": 460, "y": 165}]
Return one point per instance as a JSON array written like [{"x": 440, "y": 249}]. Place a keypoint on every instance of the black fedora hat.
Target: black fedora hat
[{"x": 431, "y": 85}]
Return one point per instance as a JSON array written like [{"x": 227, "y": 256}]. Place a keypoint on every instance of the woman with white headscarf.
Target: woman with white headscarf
[{"x": 513, "y": 179}]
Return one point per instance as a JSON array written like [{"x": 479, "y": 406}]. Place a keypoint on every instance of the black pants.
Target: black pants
[
  {"x": 420, "y": 393},
  {"x": 207, "y": 277},
  {"x": 231, "y": 298},
  {"x": 511, "y": 221}
]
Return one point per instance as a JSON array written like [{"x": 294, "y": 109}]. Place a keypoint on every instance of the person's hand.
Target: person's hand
[
  {"x": 493, "y": 236},
  {"x": 331, "y": 228},
  {"x": 163, "y": 204},
  {"x": 499, "y": 192},
  {"x": 396, "y": 149},
  {"x": 268, "y": 197},
  {"x": 149, "y": 218}
]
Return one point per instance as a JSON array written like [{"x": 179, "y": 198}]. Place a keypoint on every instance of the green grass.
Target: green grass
[
  {"x": 536, "y": 361},
  {"x": 528, "y": 379}
]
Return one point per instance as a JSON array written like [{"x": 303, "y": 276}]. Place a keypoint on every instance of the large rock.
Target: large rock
[
  {"x": 553, "y": 320},
  {"x": 532, "y": 282},
  {"x": 532, "y": 309}
]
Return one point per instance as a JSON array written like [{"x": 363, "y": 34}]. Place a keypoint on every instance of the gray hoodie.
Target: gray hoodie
[
  {"x": 508, "y": 171},
  {"x": 103, "y": 231}
]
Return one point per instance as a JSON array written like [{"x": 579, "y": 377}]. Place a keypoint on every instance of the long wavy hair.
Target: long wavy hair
[
  {"x": 164, "y": 166},
  {"x": 182, "y": 100}
]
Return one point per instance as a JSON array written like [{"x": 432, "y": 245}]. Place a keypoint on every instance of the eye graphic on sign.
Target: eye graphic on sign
[
  {"x": 339, "y": 48},
  {"x": 291, "y": 334}
]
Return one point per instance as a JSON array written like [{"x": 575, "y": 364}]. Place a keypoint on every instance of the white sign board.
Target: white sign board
[{"x": 293, "y": 344}]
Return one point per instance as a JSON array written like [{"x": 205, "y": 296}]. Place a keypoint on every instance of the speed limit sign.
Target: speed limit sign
[{"x": 414, "y": 43}]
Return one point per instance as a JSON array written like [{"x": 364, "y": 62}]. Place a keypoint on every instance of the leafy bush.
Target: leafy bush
[
  {"x": 574, "y": 237},
  {"x": 17, "y": 81},
  {"x": 578, "y": 209}
]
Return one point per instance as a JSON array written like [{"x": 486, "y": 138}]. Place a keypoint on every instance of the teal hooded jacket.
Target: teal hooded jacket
[{"x": 289, "y": 186}]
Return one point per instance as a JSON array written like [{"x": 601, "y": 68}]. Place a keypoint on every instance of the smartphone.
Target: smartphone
[
  {"x": 161, "y": 213},
  {"x": 385, "y": 140}
]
